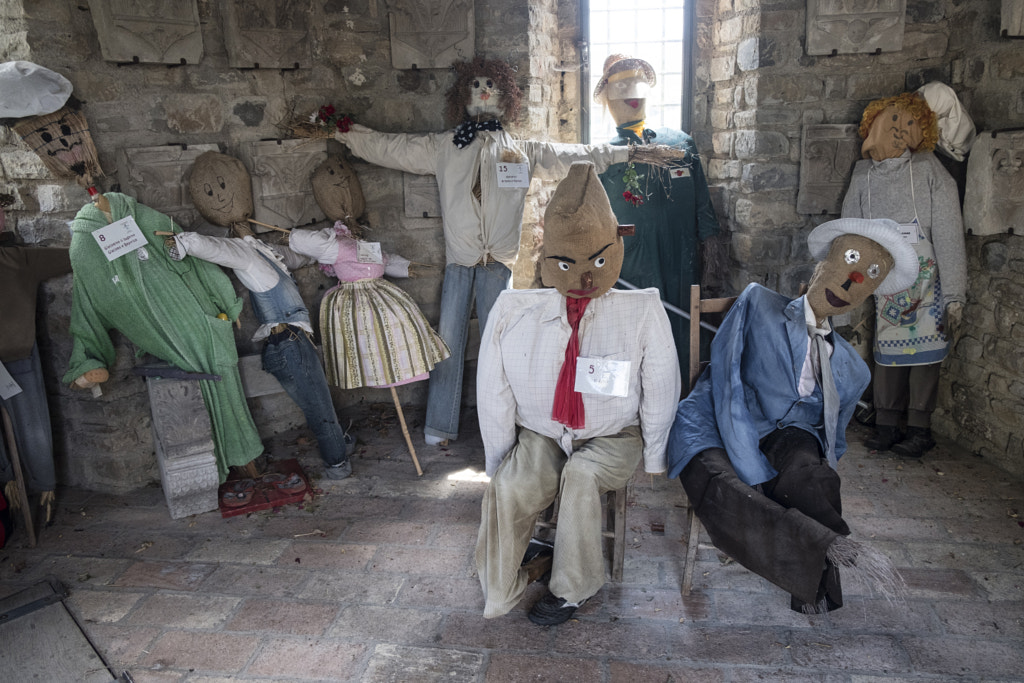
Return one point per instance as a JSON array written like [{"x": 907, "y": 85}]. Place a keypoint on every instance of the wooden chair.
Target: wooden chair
[
  {"x": 698, "y": 307},
  {"x": 614, "y": 531}
]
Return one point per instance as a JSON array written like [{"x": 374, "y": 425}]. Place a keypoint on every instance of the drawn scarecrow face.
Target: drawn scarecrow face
[
  {"x": 852, "y": 271},
  {"x": 63, "y": 143},
  {"x": 221, "y": 189},
  {"x": 626, "y": 95},
  {"x": 337, "y": 190},
  {"x": 893, "y": 131},
  {"x": 485, "y": 98},
  {"x": 582, "y": 248}
]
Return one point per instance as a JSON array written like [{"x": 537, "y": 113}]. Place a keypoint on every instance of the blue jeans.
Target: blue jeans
[
  {"x": 30, "y": 418},
  {"x": 444, "y": 392},
  {"x": 291, "y": 357}
]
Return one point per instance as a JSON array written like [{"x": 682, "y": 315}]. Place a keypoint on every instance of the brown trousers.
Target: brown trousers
[{"x": 781, "y": 529}]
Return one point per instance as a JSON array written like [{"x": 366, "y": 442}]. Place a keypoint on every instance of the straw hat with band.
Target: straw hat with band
[{"x": 618, "y": 68}]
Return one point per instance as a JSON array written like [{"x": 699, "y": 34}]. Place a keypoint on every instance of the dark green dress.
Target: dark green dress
[{"x": 674, "y": 219}]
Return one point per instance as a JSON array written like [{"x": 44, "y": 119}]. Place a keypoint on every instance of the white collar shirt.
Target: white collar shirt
[
  {"x": 522, "y": 352},
  {"x": 476, "y": 230},
  {"x": 809, "y": 373},
  {"x": 243, "y": 257}
]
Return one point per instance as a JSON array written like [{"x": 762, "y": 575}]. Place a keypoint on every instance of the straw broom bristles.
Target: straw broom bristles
[{"x": 659, "y": 156}]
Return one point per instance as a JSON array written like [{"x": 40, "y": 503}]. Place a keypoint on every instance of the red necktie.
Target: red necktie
[{"x": 568, "y": 408}]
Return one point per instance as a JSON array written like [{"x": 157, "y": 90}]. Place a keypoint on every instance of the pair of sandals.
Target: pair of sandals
[{"x": 240, "y": 492}]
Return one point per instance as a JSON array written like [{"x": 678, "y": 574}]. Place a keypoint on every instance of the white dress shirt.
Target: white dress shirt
[
  {"x": 242, "y": 256},
  {"x": 809, "y": 373},
  {"x": 522, "y": 351}
]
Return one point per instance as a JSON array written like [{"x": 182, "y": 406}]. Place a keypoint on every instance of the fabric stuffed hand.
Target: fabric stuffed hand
[
  {"x": 353, "y": 128},
  {"x": 91, "y": 378},
  {"x": 954, "y": 321}
]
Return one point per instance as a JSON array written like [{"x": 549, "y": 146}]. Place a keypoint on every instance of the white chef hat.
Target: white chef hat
[
  {"x": 27, "y": 89},
  {"x": 956, "y": 129}
]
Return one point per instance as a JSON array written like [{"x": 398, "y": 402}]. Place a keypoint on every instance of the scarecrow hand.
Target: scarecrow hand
[
  {"x": 954, "y": 321},
  {"x": 661, "y": 156},
  {"x": 353, "y": 128},
  {"x": 91, "y": 378}
]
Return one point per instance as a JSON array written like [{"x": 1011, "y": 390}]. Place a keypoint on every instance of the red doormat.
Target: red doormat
[{"x": 270, "y": 490}]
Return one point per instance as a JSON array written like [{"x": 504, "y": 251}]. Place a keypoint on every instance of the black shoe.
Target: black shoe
[
  {"x": 551, "y": 611},
  {"x": 918, "y": 442},
  {"x": 537, "y": 548},
  {"x": 884, "y": 438}
]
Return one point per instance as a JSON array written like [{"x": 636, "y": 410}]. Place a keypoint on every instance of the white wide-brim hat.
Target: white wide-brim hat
[
  {"x": 27, "y": 89},
  {"x": 882, "y": 230}
]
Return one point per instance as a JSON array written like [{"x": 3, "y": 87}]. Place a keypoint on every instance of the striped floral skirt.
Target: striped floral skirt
[{"x": 374, "y": 335}]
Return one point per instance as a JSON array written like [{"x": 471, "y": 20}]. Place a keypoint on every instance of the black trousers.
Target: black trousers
[{"x": 780, "y": 529}]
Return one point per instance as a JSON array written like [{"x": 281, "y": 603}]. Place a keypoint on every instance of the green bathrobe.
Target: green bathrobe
[{"x": 166, "y": 308}]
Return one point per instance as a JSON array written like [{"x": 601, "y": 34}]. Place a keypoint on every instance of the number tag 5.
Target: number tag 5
[{"x": 602, "y": 376}]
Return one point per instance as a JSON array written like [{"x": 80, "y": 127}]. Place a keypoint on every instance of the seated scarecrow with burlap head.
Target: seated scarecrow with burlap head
[
  {"x": 574, "y": 385},
  {"x": 756, "y": 444}
]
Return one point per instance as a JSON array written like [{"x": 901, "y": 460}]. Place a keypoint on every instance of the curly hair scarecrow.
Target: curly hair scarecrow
[
  {"x": 473, "y": 79},
  {"x": 901, "y": 179},
  {"x": 891, "y": 125}
]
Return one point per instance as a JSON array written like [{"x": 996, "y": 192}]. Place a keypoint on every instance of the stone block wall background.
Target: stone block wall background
[
  {"x": 756, "y": 89},
  {"x": 105, "y": 443}
]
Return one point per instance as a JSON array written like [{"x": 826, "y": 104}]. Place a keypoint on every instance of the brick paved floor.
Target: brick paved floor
[{"x": 374, "y": 581}]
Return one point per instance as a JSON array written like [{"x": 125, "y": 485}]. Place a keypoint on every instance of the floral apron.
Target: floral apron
[{"x": 910, "y": 325}]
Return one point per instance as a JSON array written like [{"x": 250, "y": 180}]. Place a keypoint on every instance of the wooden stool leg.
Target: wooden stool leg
[
  {"x": 619, "y": 544},
  {"x": 405, "y": 432},
  {"x": 691, "y": 548},
  {"x": 12, "y": 448}
]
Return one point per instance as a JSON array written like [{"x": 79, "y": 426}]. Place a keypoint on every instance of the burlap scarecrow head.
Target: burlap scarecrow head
[
  {"x": 894, "y": 124},
  {"x": 483, "y": 89},
  {"x": 583, "y": 248},
  {"x": 221, "y": 189},
  {"x": 625, "y": 82},
  {"x": 860, "y": 257},
  {"x": 337, "y": 190}
]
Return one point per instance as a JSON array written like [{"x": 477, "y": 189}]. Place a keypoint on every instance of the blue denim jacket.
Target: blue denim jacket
[
  {"x": 750, "y": 388},
  {"x": 282, "y": 303}
]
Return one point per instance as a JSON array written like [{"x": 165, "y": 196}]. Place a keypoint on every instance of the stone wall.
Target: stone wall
[
  {"x": 759, "y": 89},
  {"x": 105, "y": 443}
]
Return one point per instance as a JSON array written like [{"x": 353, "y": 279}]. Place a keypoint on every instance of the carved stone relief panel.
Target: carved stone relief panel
[
  {"x": 268, "y": 34},
  {"x": 158, "y": 178},
  {"x": 180, "y": 419},
  {"x": 422, "y": 198},
  {"x": 430, "y": 34},
  {"x": 854, "y": 26},
  {"x": 281, "y": 189},
  {"x": 148, "y": 31},
  {"x": 361, "y": 16},
  {"x": 994, "y": 197},
  {"x": 1012, "y": 23},
  {"x": 827, "y": 155}
]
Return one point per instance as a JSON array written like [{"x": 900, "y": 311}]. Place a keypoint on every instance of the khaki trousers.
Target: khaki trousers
[{"x": 525, "y": 484}]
